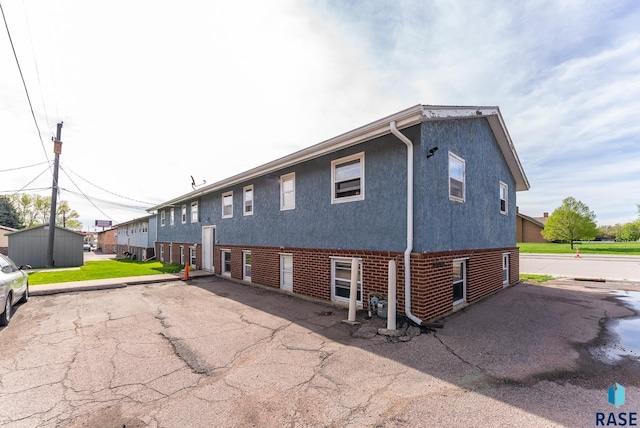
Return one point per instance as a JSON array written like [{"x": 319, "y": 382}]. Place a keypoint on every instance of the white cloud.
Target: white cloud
[{"x": 153, "y": 92}]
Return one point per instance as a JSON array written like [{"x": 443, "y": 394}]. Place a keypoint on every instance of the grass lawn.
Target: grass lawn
[
  {"x": 529, "y": 277},
  {"x": 590, "y": 247},
  {"x": 103, "y": 269}
]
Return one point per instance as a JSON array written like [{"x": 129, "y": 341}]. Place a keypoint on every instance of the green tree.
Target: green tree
[
  {"x": 34, "y": 210},
  {"x": 8, "y": 215},
  {"x": 571, "y": 221},
  {"x": 629, "y": 231},
  {"x": 66, "y": 217}
]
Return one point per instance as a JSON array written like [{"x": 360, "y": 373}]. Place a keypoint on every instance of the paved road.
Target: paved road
[
  {"x": 626, "y": 268},
  {"x": 215, "y": 353}
]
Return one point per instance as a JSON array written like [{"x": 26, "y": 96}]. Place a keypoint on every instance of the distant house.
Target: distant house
[
  {"x": 529, "y": 229},
  {"x": 29, "y": 246},
  {"x": 136, "y": 238},
  {"x": 431, "y": 187},
  {"x": 4, "y": 241},
  {"x": 107, "y": 242}
]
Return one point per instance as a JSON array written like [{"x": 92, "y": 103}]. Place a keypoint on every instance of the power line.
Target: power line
[
  {"x": 85, "y": 196},
  {"x": 22, "y": 167},
  {"x": 105, "y": 190},
  {"x": 25, "y": 186},
  {"x": 35, "y": 63},
  {"x": 104, "y": 201},
  {"x": 24, "y": 83}
]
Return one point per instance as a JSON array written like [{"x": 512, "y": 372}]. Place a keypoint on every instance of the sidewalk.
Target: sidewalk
[{"x": 104, "y": 284}]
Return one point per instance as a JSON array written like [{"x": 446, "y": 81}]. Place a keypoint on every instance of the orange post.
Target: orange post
[
  {"x": 186, "y": 271},
  {"x": 577, "y": 256}
]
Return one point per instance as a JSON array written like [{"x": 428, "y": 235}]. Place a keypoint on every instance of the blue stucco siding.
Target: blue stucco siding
[
  {"x": 376, "y": 223},
  {"x": 442, "y": 224}
]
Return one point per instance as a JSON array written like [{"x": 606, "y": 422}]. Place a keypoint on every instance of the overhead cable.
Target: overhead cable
[
  {"x": 105, "y": 190},
  {"x": 24, "y": 84},
  {"x": 22, "y": 167}
]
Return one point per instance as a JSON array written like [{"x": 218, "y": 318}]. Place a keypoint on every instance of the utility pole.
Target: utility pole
[{"x": 57, "y": 149}]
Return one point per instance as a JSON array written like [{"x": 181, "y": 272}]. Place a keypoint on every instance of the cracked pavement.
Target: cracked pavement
[{"x": 217, "y": 353}]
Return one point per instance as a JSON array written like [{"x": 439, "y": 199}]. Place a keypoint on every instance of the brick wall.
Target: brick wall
[
  {"x": 172, "y": 252},
  {"x": 431, "y": 274}
]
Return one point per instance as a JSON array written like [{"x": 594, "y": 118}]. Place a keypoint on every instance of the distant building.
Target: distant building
[
  {"x": 529, "y": 229},
  {"x": 4, "y": 241},
  {"x": 136, "y": 238},
  {"x": 107, "y": 241}
]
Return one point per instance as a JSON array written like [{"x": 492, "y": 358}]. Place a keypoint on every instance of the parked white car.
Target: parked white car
[{"x": 14, "y": 283}]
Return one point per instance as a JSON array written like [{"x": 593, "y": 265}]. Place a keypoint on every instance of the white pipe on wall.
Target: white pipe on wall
[
  {"x": 407, "y": 251},
  {"x": 353, "y": 291},
  {"x": 391, "y": 308}
]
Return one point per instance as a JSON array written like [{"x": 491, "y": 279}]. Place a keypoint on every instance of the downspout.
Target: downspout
[{"x": 407, "y": 252}]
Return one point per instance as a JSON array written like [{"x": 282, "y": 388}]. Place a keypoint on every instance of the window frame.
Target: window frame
[
  {"x": 504, "y": 187},
  {"x": 283, "y": 178},
  {"x": 456, "y": 198},
  {"x": 182, "y": 254},
  {"x": 193, "y": 257},
  {"x": 334, "y": 296},
  {"x": 505, "y": 268},
  {"x": 283, "y": 272},
  {"x": 162, "y": 218},
  {"x": 223, "y": 271},
  {"x": 161, "y": 252},
  {"x": 462, "y": 281},
  {"x": 184, "y": 214},
  {"x": 336, "y": 163},
  {"x": 225, "y": 195},
  {"x": 245, "y": 190},
  {"x": 171, "y": 217},
  {"x": 195, "y": 218},
  {"x": 246, "y": 253}
]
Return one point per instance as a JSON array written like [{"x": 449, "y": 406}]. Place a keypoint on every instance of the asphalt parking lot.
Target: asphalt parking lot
[{"x": 215, "y": 353}]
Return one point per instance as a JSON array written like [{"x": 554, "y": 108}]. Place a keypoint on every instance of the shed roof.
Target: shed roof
[
  {"x": 404, "y": 119},
  {"x": 44, "y": 225}
]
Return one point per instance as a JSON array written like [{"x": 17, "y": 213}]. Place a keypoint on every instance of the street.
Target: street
[
  {"x": 626, "y": 268},
  {"x": 218, "y": 353}
]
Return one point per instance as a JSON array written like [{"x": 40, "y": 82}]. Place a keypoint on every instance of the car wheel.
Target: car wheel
[
  {"x": 25, "y": 296},
  {"x": 6, "y": 315}
]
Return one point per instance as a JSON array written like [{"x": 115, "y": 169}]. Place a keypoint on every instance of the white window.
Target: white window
[
  {"x": 505, "y": 269},
  {"x": 181, "y": 254},
  {"x": 347, "y": 179},
  {"x": 341, "y": 280},
  {"x": 226, "y": 262},
  {"x": 171, "y": 217},
  {"x": 162, "y": 214},
  {"x": 504, "y": 194},
  {"x": 286, "y": 272},
  {"x": 170, "y": 253},
  {"x": 456, "y": 178},
  {"x": 161, "y": 253},
  {"x": 248, "y": 200},
  {"x": 184, "y": 214},
  {"x": 227, "y": 205},
  {"x": 246, "y": 265},
  {"x": 459, "y": 281},
  {"x": 194, "y": 212},
  {"x": 288, "y": 191},
  {"x": 192, "y": 257},
  {"x": 145, "y": 227}
]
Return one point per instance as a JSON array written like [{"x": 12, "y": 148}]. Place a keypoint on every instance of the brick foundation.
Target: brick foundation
[
  {"x": 431, "y": 273},
  {"x": 172, "y": 252}
]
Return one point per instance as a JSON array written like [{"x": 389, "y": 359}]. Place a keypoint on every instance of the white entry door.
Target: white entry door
[{"x": 208, "y": 241}]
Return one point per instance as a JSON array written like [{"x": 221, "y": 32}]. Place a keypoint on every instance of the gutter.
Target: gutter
[{"x": 407, "y": 251}]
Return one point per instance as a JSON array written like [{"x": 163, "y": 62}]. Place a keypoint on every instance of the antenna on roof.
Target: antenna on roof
[{"x": 194, "y": 185}]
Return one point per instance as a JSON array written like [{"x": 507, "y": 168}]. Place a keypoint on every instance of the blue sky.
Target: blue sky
[{"x": 153, "y": 92}]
